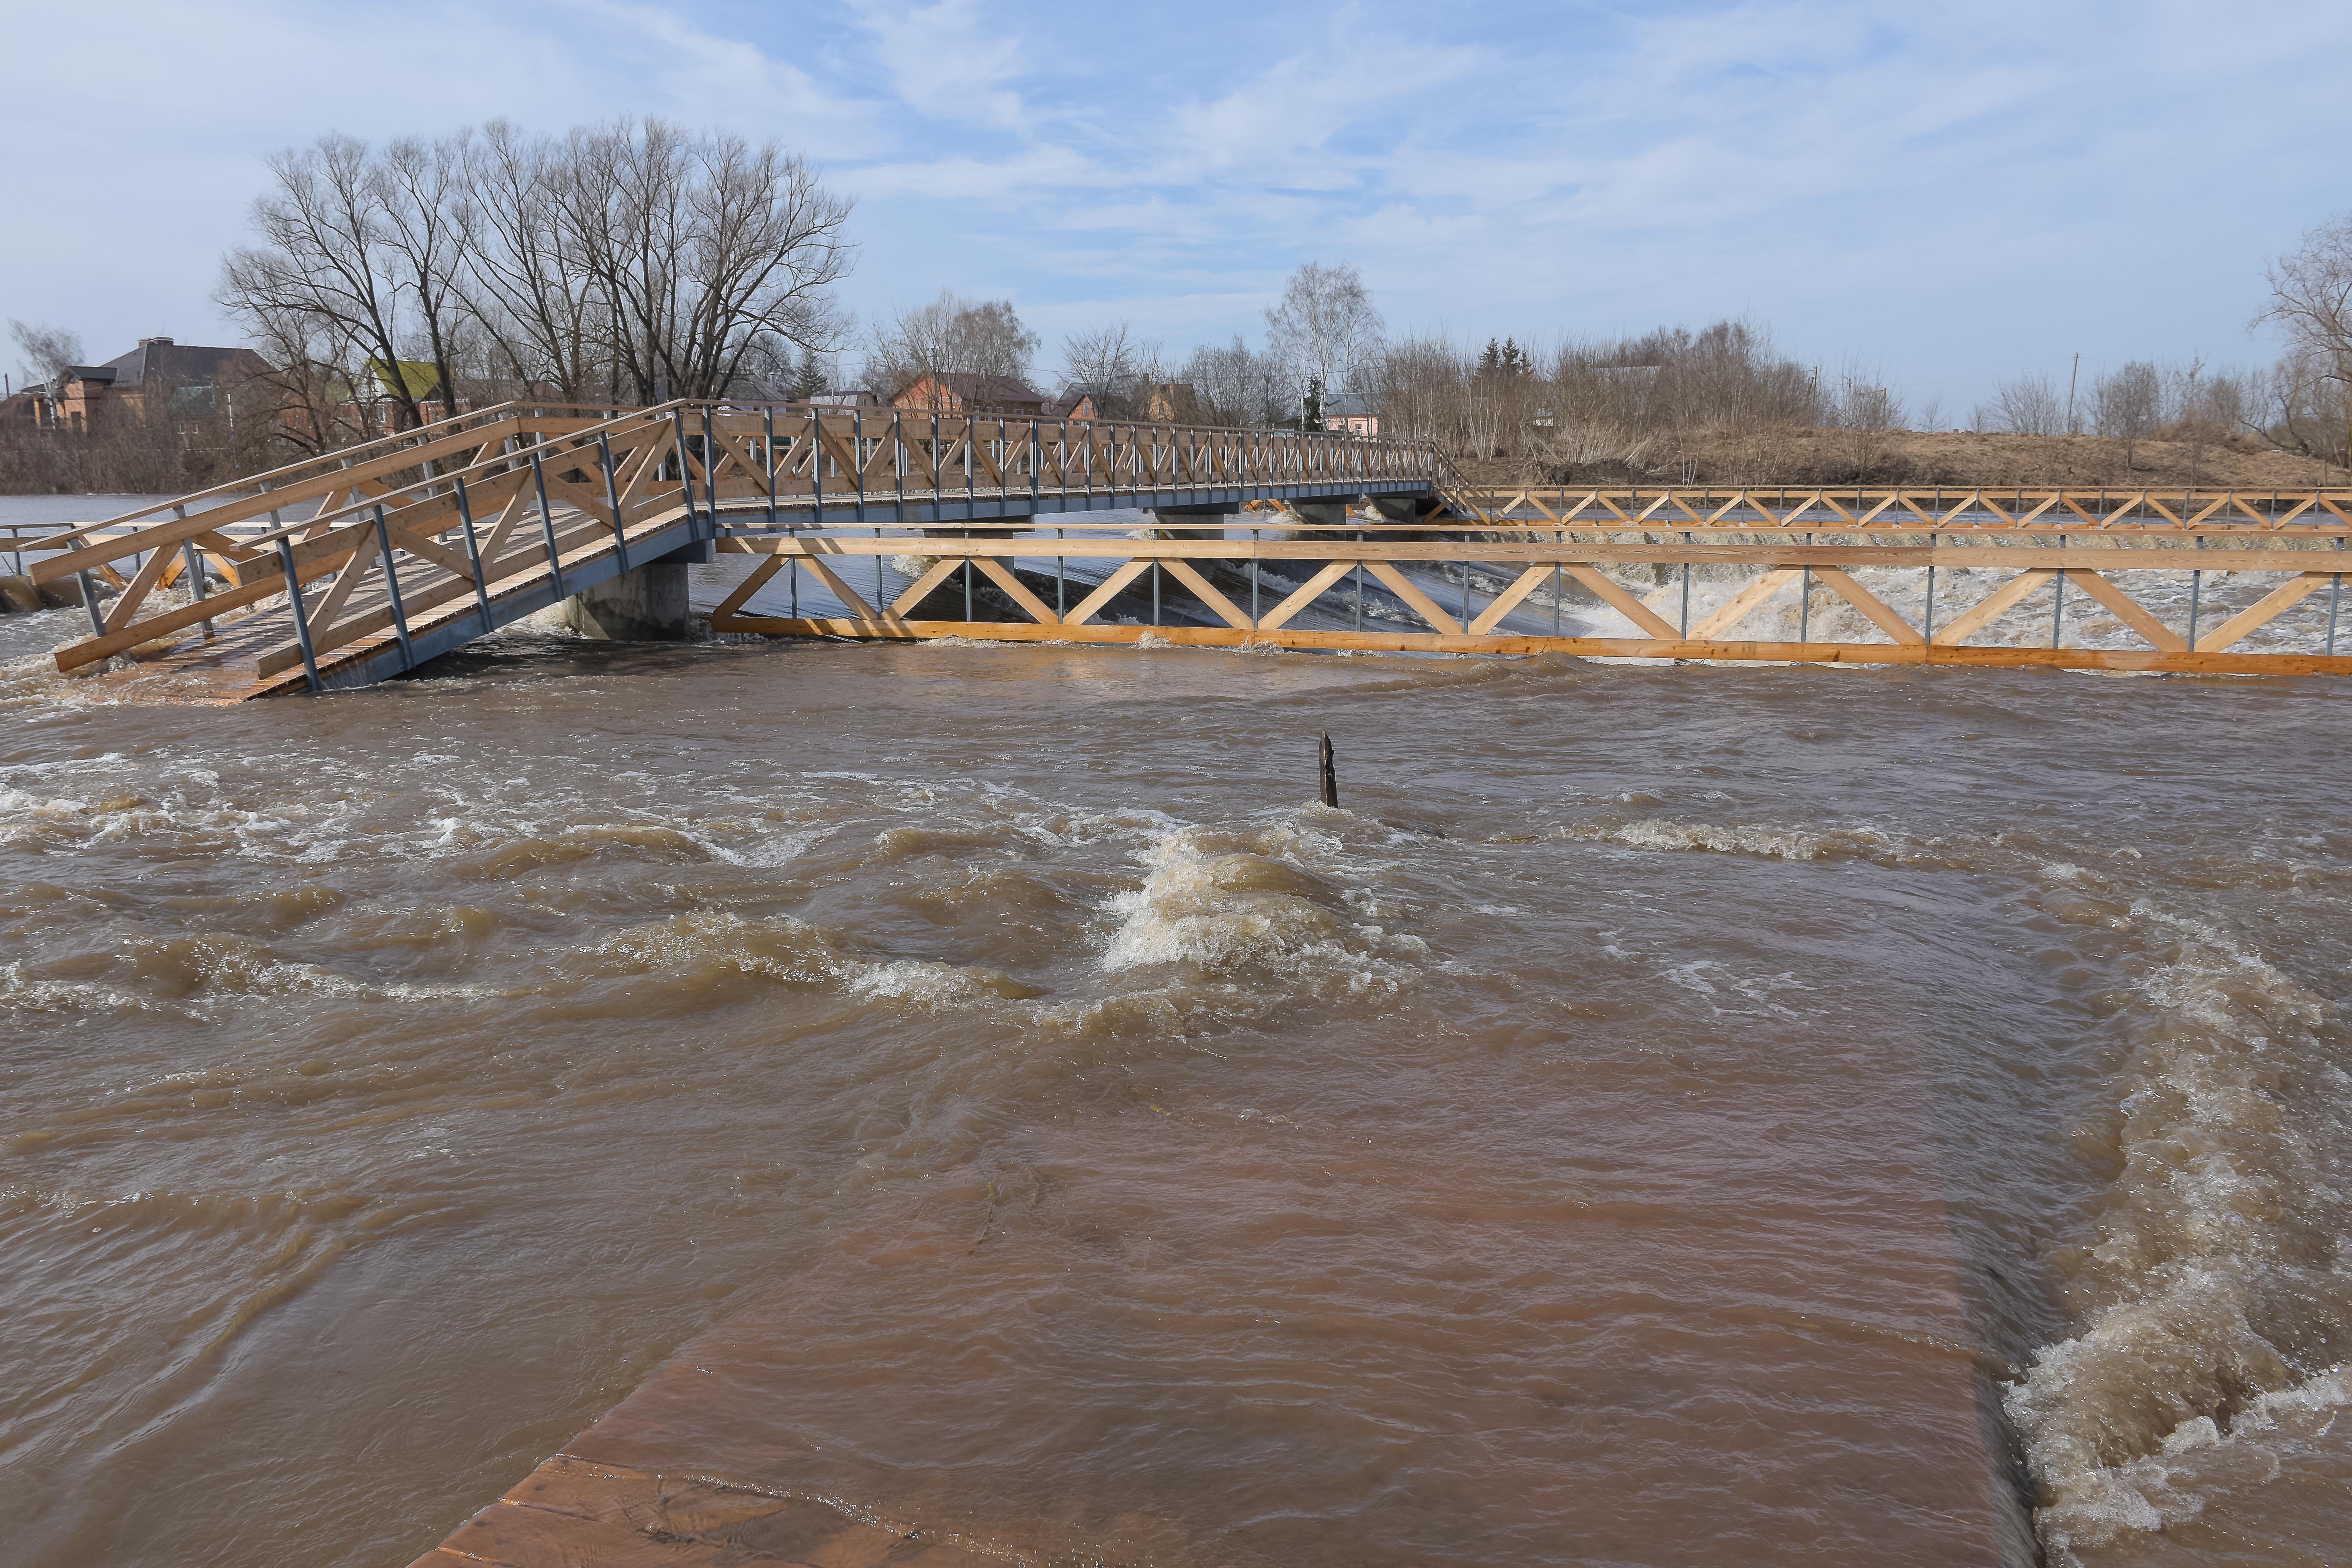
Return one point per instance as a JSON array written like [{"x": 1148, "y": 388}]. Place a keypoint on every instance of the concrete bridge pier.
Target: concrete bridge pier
[
  {"x": 1196, "y": 515},
  {"x": 1403, "y": 509},
  {"x": 644, "y": 604}
]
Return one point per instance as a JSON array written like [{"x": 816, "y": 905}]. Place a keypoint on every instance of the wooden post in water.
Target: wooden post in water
[{"x": 1331, "y": 774}]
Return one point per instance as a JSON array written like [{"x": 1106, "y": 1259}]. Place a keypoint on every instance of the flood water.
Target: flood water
[{"x": 1667, "y": 1115}]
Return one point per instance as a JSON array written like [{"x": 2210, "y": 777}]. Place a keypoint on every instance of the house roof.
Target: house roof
[
  {"x": 174, "y": 365},
  {"x": 417, "y": 375},
  {"x": 982, "y": 388}
]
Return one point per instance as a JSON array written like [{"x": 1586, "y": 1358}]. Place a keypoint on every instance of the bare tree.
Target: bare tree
[
  {"x": 528, "y": 282},
  {"x": 2127, "y": 404},
  {"x": 323, "y": 258},
  {"x": 48, "y": 351},
  {"x": 2309, "y": 407},
  {"x": 618, "y": 262},
  {"x": 1325, "y": 330},
  {"x": 1106, "y": 363},
  {"x": 1420, "y": 387},
  {"x": 2028, "y": 405},
  {"x": 1232, "y": 384},
  {"x": 951, "y": 336},
  {"x": 1867, "y": 411},
  {"x": 419, "y": 188},
  {"x": 2311, "y": 300},
  {"x": 702, "y": 247}
]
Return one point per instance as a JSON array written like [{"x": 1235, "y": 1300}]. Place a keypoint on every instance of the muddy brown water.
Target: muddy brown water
[{"x": 1667, "y": 1116}]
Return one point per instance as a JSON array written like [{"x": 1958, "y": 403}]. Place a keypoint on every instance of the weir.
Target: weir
[{"x": 354, "y": 567}]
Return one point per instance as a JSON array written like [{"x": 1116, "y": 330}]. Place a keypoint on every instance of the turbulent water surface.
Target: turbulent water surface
[{"x": 1667, "y": 1115}]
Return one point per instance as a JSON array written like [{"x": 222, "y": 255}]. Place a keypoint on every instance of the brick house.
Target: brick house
[
  {"x": 159, "y": 377},
  {"x": 972, "y": 394},
  {"x": 1350, "y": 414}
]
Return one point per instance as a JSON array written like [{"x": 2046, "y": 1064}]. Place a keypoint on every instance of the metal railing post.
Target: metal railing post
[
  {"x": 89, "y": 602},
  {"x": 685, "y": 468},
  {"x": 474, "y": 554},
  {"x": 392, "y": 591},
  {"x": 547, "y": 524},
  {"x": 194, "y": 560},
  {"x": 2058, "y": 601},
  {"x": 613, "y": 500},
  {"x": 768, "y": 456},
  {"x": 301, "y": 614},
  {"x": 857, "y": 448},
  {"x": 710, "y": 476},
  {"x": 816, "y": 477}
]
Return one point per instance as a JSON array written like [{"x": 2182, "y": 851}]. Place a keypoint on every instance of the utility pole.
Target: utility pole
[{"x": 2072, "y": 377}]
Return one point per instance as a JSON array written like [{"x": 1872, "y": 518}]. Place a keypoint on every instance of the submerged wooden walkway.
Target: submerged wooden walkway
[
  {"x": 361, "y": 566},
  {"x": 574, "y": 1511}
]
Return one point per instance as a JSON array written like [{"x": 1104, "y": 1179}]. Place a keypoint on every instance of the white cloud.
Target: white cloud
[{"x": 1950, "y": 190}]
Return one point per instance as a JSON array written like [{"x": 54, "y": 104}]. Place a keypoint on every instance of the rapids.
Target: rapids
[{"x": 1667, "y": 1115}]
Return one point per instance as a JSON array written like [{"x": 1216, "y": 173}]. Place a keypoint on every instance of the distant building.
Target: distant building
[
  {"x": 1073, "y": 406},
  {"x": 852, "y": 397},
  {"x": 972, "y": 394},
  {"x": 421, "y": 380},
  {"x": 158, "y": 377},
  {"x": 1172, "y": 403},
  {"x": 1350, "y": 414}
]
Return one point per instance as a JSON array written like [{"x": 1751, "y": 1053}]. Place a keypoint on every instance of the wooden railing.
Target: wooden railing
[
  {"x": 2258, "y": 599},
  {"x": 1909, "y": 508},
  {"x": 489, "y": 514}
]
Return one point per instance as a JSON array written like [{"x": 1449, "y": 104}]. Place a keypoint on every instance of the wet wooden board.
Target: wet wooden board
[{"x": 572, "y": 1511}]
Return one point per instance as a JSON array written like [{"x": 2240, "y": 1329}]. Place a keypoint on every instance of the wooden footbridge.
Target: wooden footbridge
[{"x": 353, "y": 567}]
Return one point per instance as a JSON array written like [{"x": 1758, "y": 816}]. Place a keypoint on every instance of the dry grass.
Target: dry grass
[{"x": 1954, "y": 458}]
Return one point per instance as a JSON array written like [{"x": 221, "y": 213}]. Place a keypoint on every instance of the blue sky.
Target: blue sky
[{"x": 1946, "y": 193}]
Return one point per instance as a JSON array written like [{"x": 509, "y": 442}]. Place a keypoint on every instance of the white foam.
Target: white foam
[
  {"x": 1221, "y": 902},
  {"x": 2217, "y": 1268}
]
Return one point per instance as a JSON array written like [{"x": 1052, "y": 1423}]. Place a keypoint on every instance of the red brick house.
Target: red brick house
[{"x": 158, "y": 377}]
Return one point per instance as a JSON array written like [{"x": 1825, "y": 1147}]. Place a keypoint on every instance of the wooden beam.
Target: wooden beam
[
  {"x": 1869, "y": 604},
  {"x": 1738, "y": 607},
  {"x": 141, "y": 583},
  {"x": 1623, "y": 603},
  {"x": 2283, "y": 597},
  {"x": 1016, "y": 590},
  {"x": 1306, "y": 593},
  {"x": 921, "y": 588},
  {"x": 754, "y": 581},
  {"x": 857, "y": 606},
  {"x": 354, "y": 567},
  {"x": 1184, "y": 573},
  {"x": 1985, "y": 609},
  {"x": 2129, "y": 611},
  {"x": 1112, "y": 586},
  {"x": 1507, "y": 600},
  {"x": 1423, "y": 605},
  {"x": 1607, "y": 647}
]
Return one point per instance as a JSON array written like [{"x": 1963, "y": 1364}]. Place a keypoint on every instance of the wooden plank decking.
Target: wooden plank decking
[{"x": 573, "y": 1511}]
